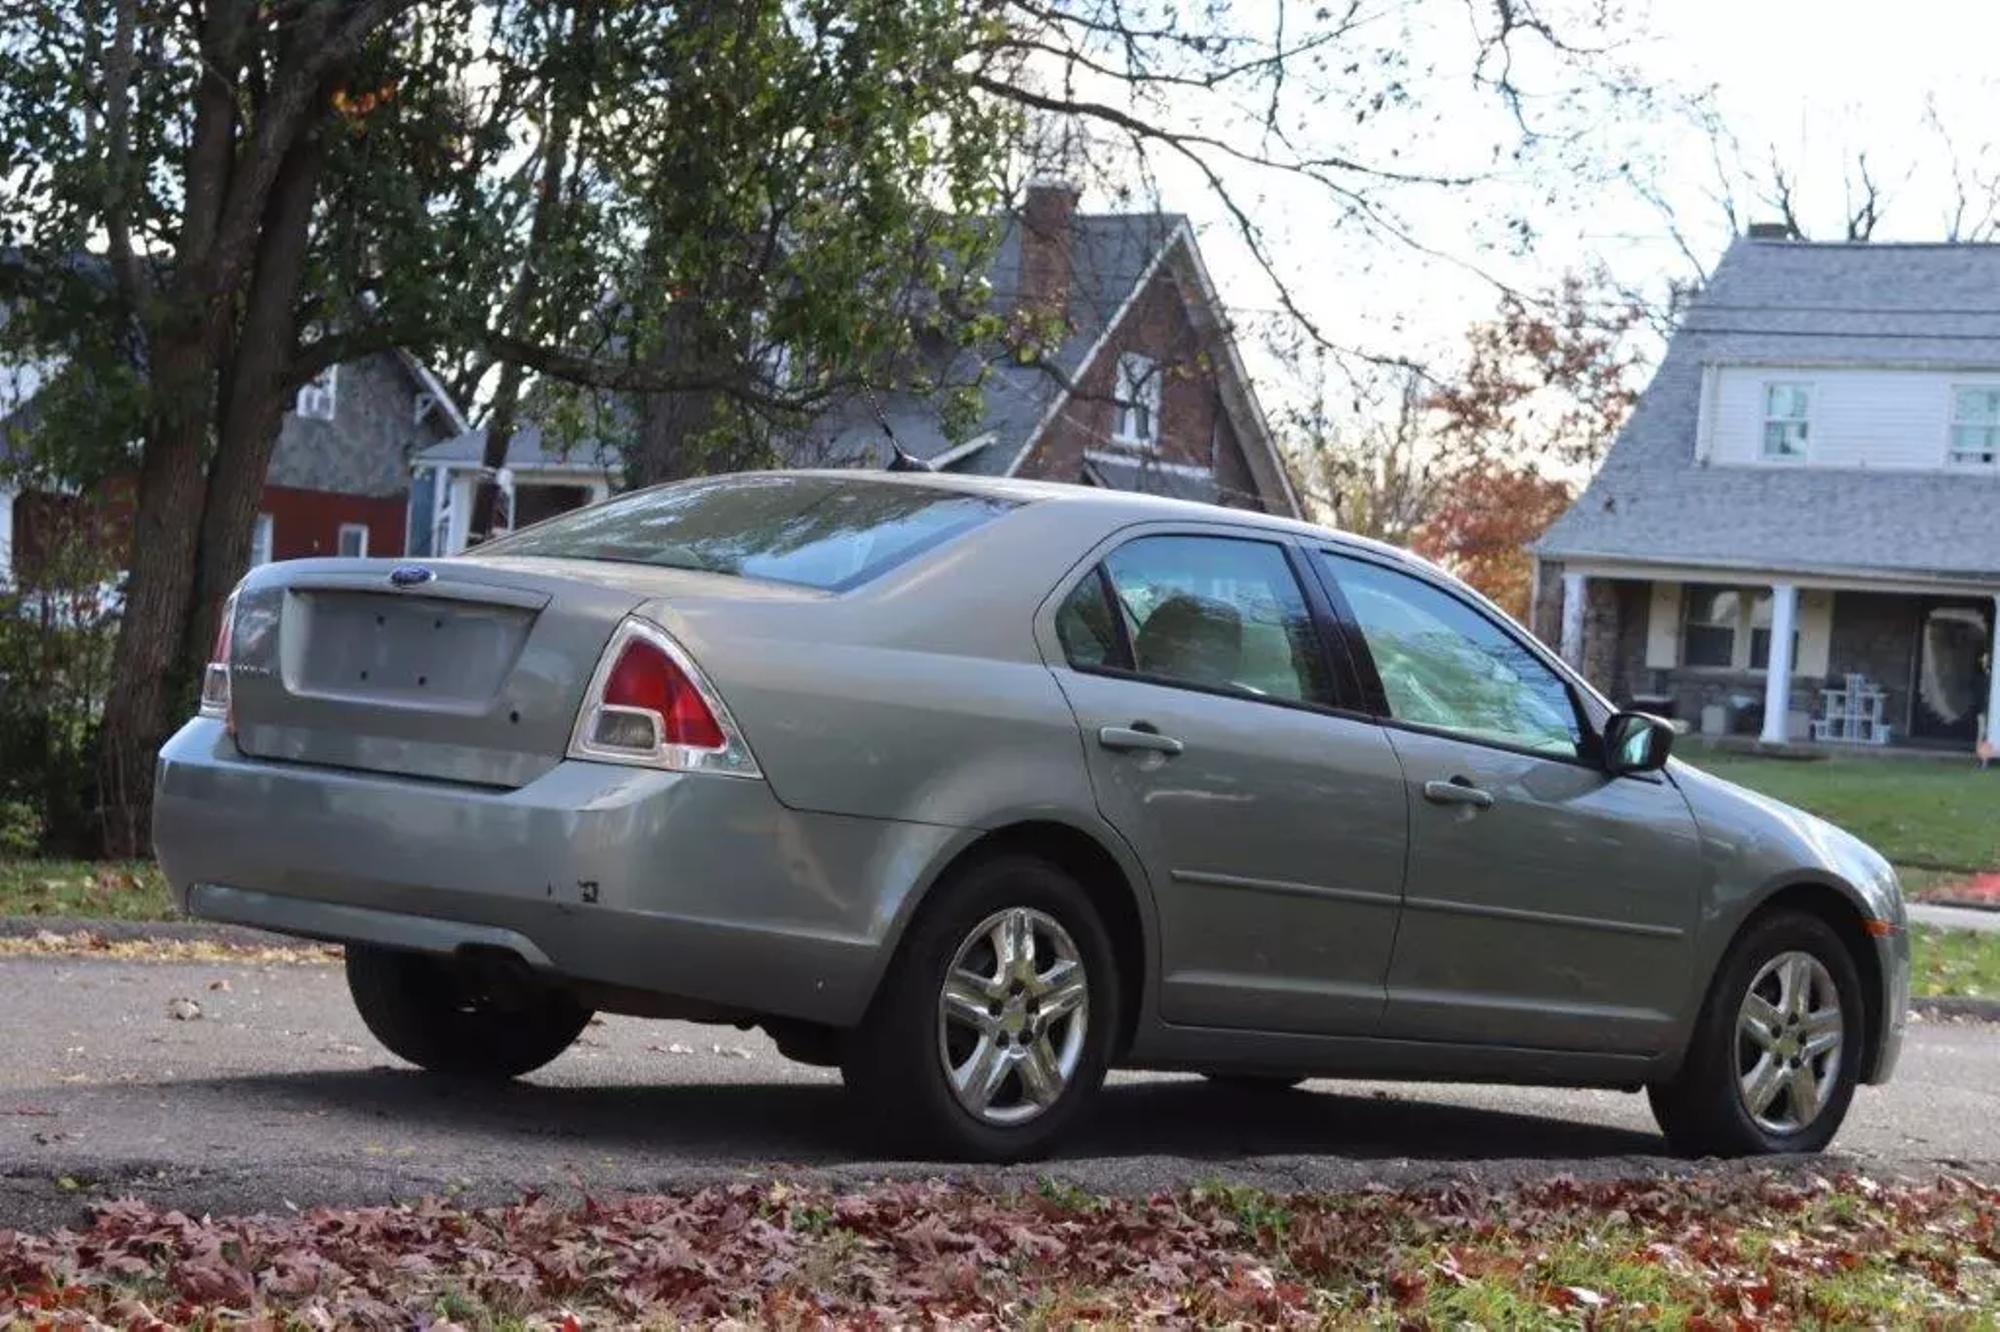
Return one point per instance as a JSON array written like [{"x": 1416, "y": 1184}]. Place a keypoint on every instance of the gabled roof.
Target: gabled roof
[
  {"x": 1111, "y": 258},
  {"x": 1110, "y": 253},
  {"x": 1809, "y": 304}
]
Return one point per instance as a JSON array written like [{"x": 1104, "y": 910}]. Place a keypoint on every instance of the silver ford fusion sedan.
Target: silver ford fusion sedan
[{"x": 979, "y": 788}]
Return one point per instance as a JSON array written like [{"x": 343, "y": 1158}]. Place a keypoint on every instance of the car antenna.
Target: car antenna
[{"x": 900, "y": 458}]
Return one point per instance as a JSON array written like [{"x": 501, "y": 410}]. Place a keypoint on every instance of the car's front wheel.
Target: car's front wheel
[
  {"x": 1777, "y": 1049},
  {"x": 447, "y": 1019},
  {"x": 992, "y": 1030}
]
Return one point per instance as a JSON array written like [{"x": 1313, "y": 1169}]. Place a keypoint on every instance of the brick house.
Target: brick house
[
  {"x": 1144, "y": 390},
  {"x": 1797, "y": 534},
  {"x": 338, "y": 482}
]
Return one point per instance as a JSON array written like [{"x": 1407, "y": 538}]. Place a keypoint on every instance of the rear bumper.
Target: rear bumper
[{"x": 698, "y": 886}]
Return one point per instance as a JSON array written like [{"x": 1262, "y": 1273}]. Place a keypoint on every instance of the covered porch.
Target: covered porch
[{"x": 1787, "y": 657}]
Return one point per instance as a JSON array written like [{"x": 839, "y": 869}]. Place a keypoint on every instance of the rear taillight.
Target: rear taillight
[
  {"x": 215, "y": 678},
  {"x": 650, "y": 705}
]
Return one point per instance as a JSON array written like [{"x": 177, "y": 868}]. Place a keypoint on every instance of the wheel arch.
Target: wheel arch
[
  {"x": 1844, "y": 912},
  {"x": 1098, "y": 860}
]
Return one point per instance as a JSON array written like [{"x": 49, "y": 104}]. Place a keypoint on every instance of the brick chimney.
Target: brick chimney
[
  {"x": 1045, "y": 246},
  {"x": 1772, "y": 231}
]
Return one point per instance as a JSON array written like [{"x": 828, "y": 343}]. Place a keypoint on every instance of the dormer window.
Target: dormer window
[
  {"x": 1138, "y": 400},
  {"x": 1975, "y": 426},
  {"x": 316, "y": 398},
  {"x": 1786, "y": 409}
]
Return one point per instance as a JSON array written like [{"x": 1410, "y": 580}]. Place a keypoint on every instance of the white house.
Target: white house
[{"x": 1798, "y": 532}]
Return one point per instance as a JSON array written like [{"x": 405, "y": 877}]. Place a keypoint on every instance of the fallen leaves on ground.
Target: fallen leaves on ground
[
  {"x": 87, "y": 943},
  {"x": 1735, "y": 1251}
]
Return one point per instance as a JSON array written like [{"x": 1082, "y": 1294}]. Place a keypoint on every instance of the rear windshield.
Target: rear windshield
[{"x": 831, "y": 533}]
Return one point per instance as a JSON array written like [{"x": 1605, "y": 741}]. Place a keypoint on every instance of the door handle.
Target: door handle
[
  {"x": 1138, "y": 736},
  {"x": 1457, "y": 791}
]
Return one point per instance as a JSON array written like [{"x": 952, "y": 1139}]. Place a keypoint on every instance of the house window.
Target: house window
[
  {"x": 353, "y": 540},
  {"x": 1708, "y": 636},
  {"x": 1786, "y": 407},
  {"x": 1138, "y": 400},
  {"x": 317, "y": 397},
  {"x": 260, "y": 541},
  {"x": 1975, "y": 426}
]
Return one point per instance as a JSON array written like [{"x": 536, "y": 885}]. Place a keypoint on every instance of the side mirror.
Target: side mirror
[{"x": 1636, "y": 742}]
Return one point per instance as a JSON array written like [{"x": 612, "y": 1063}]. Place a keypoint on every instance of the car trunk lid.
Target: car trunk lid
[{"x": 453, "y": 670}]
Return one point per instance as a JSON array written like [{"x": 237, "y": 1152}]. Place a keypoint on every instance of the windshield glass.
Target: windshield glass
[{"x": 832, "y": 533}]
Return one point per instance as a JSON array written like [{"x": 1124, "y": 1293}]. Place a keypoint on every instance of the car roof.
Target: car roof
[{"x": 1124, "y": 506}]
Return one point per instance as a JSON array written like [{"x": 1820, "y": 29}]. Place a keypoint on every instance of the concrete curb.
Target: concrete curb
[
  {"x": 1957, "y": 1006},
  {"x": 122, "y": 931}
]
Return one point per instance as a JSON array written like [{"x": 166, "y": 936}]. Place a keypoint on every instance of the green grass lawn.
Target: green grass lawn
[
  {"x": 1928, "y": 815},
  {"x": 1955, "y": 962},
  {"x": 106, "y": 890}
]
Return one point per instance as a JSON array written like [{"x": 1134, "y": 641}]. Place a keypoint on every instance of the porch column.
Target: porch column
[
  {"x": 1572, "y": 622},
  {"x": 1993, "y": 682},
  {"x": 1778, "y": 678}
]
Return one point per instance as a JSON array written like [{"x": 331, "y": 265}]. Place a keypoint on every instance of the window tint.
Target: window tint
[
  {"x": 826, "y": 532},
  {"x": 1446, "y": 665},
  {"x": 1218, "y": 613}
]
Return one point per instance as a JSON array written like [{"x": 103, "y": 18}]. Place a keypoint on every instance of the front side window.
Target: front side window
[
  {"x": 1138, "y": 400},
  {"x": 1445, "y": 665},
  {"x": 1975, "y": 426},
  {"x": 826, "y": 532},
  {"x": 1786, "y": 409},
  {"x": 1211, "y": 612},
  {"x": 1708, "y": 637}
]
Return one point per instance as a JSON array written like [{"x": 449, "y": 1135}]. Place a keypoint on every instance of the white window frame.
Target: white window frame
[
  {"x": 319, "y": 397},
  {"x": 1138, "y": 400},
  {"x": 1803, "y": 422},
  {"x": 340, "y": 541},
  {"x": 1989, "y": 454},
  {"x": 261, "y": 538}
]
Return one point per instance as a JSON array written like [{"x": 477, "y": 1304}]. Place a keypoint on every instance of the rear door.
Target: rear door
[
  {"x": 1218, "y": 729},
  {"x": 1548, "y": 904},
  {"x": 461, "y": 672}
]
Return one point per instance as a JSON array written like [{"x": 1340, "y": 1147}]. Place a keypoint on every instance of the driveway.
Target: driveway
[{"x": 275, "y": 1095}]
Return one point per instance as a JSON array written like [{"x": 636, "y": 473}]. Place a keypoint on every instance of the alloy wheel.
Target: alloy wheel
[
  {"x": 1012, "y": 1016},
  {"x": 1788, "y": 1038}
]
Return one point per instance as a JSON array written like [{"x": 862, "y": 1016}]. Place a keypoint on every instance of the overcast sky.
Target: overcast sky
[{"x": 1818, "y": 81}]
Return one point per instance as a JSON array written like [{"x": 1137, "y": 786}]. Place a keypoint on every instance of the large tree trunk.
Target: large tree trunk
[
  {"x": 253, "y": 410},
  {"x": 147, "y": 687}
]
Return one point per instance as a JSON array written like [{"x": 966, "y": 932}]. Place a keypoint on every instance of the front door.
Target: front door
[
  {"x": 1273, "y": 827},
  {"x": 1954, "y": 650},
  {"x": 1548, "y": 905}
]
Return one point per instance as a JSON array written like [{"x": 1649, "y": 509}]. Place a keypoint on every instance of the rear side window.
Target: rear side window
[
  {"x": 1211, "y": 612},
  {"x": 832, "y": 533}
]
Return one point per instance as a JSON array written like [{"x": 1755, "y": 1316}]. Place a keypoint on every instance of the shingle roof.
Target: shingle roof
[
  {"x": 528, "y": 449},
  {"x": 1917, "y": 306},
  {"x": 1109, "y": 253}
]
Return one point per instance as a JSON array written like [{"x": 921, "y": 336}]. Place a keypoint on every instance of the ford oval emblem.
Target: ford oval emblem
[{"x": 410, "y": 575}]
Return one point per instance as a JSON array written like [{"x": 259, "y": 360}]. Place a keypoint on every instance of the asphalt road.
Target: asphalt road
[{"x": 275, "y": 1095}]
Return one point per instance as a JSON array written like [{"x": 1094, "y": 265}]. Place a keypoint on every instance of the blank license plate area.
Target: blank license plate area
[{"x": 361, "y": 645}]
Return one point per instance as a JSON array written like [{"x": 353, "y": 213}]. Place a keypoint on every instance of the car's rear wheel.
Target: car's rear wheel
[
  {"x": 456, "y": 1020},
  {"x": 1777, "y": 1049},
  {"x": 992, "y": 1030}
]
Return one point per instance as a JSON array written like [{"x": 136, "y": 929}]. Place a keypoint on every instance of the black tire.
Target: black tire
[
  {"x": 891, "y": 1062},
  {"x": 1255, "y": 1082},
  {"x": 1702, "y": 1109},
  {"x": 427, "y": 1011}
]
